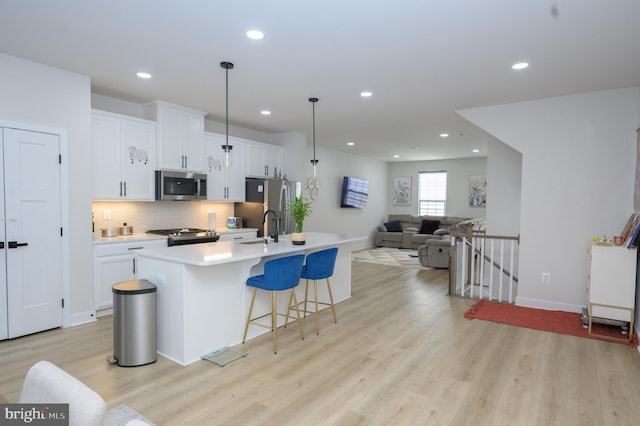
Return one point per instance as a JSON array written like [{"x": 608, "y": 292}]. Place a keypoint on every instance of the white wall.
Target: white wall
[
  {"x": 327, "y": 214},
  {"x": 458, "y": 172},
  {"x": 578, "y": 171},
  {"x": 40, "y": 95},
  {"x": 504, "y": 172}
]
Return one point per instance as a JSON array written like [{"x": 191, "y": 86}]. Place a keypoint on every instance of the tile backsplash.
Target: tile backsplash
[{"x": 159, "y": 215}]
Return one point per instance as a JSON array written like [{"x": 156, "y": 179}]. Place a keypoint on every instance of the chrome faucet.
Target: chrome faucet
[{"x": 277, "y": 219}]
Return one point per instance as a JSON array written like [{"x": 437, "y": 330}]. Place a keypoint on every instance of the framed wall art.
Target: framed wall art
[
  {"x": 401, "y": 191},
  {"x": 478, "y": 190}
]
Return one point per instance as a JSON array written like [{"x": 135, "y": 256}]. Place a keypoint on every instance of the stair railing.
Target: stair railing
[{"x": 483, "y": 266}]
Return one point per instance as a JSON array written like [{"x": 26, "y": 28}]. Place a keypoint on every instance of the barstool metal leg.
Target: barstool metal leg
[
  {"x": 306, "y": 296},
  {"x": 274, "y": 322},
  {"x": 246, "y": 327},
  {"x": 333, "y": 307},
  {"x": 295, "y": 303},
  {"x": 315, "y": 293}
]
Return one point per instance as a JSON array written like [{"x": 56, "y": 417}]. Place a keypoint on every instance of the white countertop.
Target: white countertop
[
  {"x": 206, "y": 254},
  {"x": 141, "y": 236},
  {"x": 97, "y": 239}
]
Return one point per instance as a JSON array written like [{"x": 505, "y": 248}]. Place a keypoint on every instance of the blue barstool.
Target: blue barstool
[
  {"x": 279, "y": 274},
  {"x": 319, "y": 266}
]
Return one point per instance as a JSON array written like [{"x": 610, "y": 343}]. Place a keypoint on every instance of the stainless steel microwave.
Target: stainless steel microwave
[{"x": 180, "y": 185}]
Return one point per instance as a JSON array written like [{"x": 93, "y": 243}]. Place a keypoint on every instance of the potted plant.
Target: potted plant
[{"x": 299, "y": 211}]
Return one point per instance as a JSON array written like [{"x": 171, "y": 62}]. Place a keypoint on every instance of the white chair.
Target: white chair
[{"x": 47, "y": 383}]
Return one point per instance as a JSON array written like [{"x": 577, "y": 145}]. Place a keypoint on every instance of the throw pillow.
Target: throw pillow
[
  {"x": 429, "y": 226},
  {"x": 440, "y": 231},
  {"x": 393, "y": 226}
]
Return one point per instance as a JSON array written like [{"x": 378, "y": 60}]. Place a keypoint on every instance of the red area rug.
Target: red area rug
[{"x": 540, "y": 319}]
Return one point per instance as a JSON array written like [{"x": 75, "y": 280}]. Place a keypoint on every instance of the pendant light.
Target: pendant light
[
  {"x": 226, "y": 147},
  {"x": 314, "y": 161},
  {"x": 312, "y": 189}
]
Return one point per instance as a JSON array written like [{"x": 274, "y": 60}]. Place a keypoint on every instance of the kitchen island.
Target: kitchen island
[{"x": 203, "y": 300}]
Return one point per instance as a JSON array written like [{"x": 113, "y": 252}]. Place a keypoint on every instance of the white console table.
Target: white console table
[{"x": 611, "y": 285}]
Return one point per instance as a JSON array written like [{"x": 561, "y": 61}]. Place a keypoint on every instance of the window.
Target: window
[{"x": 432, "y": 193}]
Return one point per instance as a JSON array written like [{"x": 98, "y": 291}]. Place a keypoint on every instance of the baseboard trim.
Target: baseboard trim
[
  {"x": 548, "y": 305},
  {"x": 83, "y": 318}
]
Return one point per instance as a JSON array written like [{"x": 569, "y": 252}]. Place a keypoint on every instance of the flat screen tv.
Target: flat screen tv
[{"x": 354, "y": 192}]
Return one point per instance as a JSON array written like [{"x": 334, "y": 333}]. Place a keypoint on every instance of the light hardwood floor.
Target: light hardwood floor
[{"x": 401, "y": 353}]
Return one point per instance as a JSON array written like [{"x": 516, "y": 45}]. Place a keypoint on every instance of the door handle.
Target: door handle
[{"x": 15, "y": 244}]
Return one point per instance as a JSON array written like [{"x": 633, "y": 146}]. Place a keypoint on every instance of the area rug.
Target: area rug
[
  {"x": 389, "y": 256},
  {"x": 540, "y": 319}
]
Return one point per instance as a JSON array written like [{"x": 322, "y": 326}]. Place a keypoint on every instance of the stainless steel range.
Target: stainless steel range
[{"x": 182, "y": 236}]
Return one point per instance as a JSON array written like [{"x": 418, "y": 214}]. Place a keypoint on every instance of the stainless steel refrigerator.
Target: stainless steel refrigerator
[{"x": 268, "y": 194}]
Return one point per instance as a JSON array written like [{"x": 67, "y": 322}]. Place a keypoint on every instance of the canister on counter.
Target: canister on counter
[{"x": 231, "y": 222}]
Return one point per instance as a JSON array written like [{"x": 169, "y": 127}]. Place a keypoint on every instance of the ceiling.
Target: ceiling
[{"x": 421, "y": 59}]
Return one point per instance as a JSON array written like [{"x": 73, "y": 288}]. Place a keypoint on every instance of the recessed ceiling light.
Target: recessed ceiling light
[
  {"x": 144, "y": 75},
  {"x": 265, "y": 112},
  {"x": 351, "y": 143},
  {"x": 366, "y": 94},
  {"x": 396, "y": 155},
  {"x": 444, "y": 135},
  {"x": 415, "y": 147},
  {"x": 255, "y": 35},
  {"x": 476, "y": 150},
  {"x": 520, "y": 66}
]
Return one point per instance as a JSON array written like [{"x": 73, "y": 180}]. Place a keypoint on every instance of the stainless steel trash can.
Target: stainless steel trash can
[{"x": 134, "y": 323}]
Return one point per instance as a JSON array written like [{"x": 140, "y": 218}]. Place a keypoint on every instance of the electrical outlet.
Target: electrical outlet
[
  {"x": 107, "y": 214},
  {"x": 546, "y": 277},
  {"x": 162, "y": 278}
]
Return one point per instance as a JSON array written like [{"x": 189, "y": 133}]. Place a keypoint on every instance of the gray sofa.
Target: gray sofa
[{"x": 404, "y": 231}]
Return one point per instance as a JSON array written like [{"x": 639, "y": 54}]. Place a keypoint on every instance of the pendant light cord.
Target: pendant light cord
[
  {"x": 313, "y": 104},
  {"x": 226, "y": 147},
  {"x": 314, "y": 161}
]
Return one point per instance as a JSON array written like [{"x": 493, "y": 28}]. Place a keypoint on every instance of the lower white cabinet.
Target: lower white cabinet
[
  {"x": 611, "y": 282},
  {"x": 237, "y": 235},
  {"x": 114, "y": 263}
]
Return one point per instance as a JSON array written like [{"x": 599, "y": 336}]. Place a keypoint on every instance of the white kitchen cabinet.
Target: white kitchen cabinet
[
  {"x": 238, "y": 234},
  {"x": 224, "y": 184},
  {"x": 262, "y": 160},
  {"x": 180, "y": 133},
  {"x": 611, "y": 282},
  {"x": 123, "y": 155},
  {"x": 114, "y": 263}
]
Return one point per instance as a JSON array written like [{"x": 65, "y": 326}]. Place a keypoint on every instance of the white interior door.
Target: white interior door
[
  {"x": 32, "y": 226},
  {"x": 4, "y": 323}
]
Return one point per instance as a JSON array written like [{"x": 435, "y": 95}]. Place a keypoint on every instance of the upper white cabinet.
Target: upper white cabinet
[
  {"x": 262, "y": 160},
  {"x": 123, "y": 157},
  {"x": 224, "y": 184},
  {"x": 180, "y": 133}
]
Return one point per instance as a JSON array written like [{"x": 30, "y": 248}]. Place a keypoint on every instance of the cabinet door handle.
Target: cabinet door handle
[
  {"x": 121, "y": 188},
  {"x": 135, "y": 248},
  {"x": 133, "y": 261},
  {"x": 15, "y": 244},
  {"x": 1, "y": 244},
  {"x": 125, "y": 189},
  {"x": 186, "y": 162}
]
